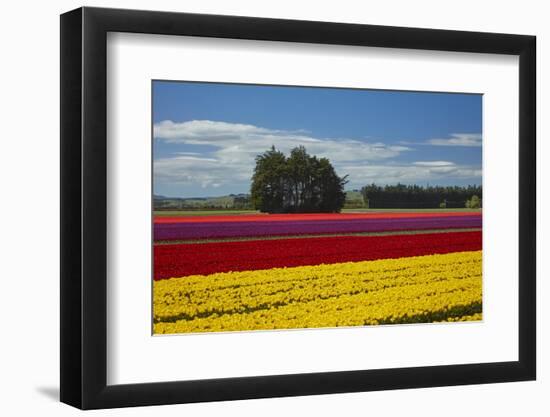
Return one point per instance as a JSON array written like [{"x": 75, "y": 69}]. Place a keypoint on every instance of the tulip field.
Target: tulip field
[
  {"x": 256, "y": 271},
  {"x": 302, "y": 225}
]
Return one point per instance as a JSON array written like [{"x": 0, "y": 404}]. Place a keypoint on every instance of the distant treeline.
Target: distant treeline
[{"x": 415, "y": 196}]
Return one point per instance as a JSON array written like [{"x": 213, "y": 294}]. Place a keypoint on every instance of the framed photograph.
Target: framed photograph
[{"x": 257, "y": 208}]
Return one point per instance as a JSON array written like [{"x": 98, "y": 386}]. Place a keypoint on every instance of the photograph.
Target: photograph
[
  {"x": 327, "y": 206},
  {"x": 296, "y": 207},
  {"x": 273, "y": 205}
]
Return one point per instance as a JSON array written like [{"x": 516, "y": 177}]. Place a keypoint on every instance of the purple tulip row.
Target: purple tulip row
[{"x": 188, "y": 231}]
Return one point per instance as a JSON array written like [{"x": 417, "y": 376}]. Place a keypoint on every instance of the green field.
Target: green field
[
  {"x": 161, "y": 213},
  {"x": 412, "y": 210}
]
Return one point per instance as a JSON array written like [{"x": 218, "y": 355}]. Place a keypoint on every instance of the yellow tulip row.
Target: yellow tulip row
[{"x": 405, "y": 290}]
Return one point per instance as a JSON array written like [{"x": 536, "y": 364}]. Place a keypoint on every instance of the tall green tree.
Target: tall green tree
[
  {"x": 473, "y": 202},
  {"x": 331, "y": 187},
  {"x": 268, "y": 185}
]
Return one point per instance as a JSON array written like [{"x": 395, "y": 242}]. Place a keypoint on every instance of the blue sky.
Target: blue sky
[{"x": 206, "y": 135}]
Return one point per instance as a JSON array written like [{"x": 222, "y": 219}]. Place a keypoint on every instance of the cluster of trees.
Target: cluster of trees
[
  {"x": 299, "y": 183},
  {"x": 415, "y": 196}
]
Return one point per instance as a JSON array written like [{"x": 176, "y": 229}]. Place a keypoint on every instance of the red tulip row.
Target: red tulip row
[{"x": 206, "y": 258}]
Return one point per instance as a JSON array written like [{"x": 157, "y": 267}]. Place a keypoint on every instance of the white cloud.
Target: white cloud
[
  {"x": 230, "y": 161},
  {"x": 183, "y": 157},
  {"x": 241, "y": 142},
  {"x": 433, "y": 163},
  {"x": 235, "y": 146},
  {"x": 197, "y": 131},
  {"x": 205, "y": 172},
  {"x": 458, "y": 139},
  {"x": 410, "y": 173},
  {"x": 188, "y": 153}
]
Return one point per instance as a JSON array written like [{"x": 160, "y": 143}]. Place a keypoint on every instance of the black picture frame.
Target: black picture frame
[{"x": 84, "y": 207}]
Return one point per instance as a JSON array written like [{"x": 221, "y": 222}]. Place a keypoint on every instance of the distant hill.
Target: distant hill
[
  {"x": 241, "y": 201},
  {"x": 232, "y": 201}
]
